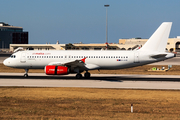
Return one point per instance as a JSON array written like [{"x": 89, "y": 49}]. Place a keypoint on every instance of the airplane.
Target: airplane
[{"x": 63, "y": 62}]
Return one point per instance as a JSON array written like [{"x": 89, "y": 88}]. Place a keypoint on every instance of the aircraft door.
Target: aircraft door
[
  {"x": 23, "y": 57},
  {"x": 136, "y": 57}
]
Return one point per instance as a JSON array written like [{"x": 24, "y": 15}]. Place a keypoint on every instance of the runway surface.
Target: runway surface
[{"x": 96, "y": 81}]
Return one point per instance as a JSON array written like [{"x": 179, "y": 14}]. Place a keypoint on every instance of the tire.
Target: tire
[
  {"x": 78, "y": 76},
  {"x": 25, "y": 75},
  {"x": 87, "y": 75}
]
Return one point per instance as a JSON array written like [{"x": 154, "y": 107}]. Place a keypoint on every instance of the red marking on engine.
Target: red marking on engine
[{"x": 56, "y": 70}]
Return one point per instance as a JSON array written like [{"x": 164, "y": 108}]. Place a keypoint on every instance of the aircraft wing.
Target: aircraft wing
[{"x": 77, "y": 64}]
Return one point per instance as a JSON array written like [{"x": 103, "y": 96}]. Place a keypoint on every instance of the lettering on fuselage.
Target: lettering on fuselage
[
  {"x": 122, "y": 59},
  {"x": 41, "y": 53}
]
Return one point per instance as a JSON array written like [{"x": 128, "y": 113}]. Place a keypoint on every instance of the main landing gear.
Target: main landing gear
[
  {"x": 78, "y": 76},
  {"x": 86, "y": 75},
  {"x": 26, "y": 73}
]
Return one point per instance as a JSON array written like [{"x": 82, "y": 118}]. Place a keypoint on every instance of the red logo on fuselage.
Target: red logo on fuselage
[{"x": 38, "y": 53}]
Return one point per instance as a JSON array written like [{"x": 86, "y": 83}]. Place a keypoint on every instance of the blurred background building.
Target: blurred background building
[{"x": 11, "y": 35}]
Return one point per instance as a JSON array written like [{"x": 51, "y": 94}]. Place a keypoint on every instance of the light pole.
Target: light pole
[{"x": 106, "y": 25}]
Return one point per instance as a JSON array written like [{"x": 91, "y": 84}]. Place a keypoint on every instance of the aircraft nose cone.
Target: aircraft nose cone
[{"x": 5, "y": 62}]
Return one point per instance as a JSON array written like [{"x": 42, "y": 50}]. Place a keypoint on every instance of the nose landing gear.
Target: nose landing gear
[{"x": 26, "y": 73}]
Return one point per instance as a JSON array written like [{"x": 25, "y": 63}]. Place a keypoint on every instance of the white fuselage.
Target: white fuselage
[{"x": 107, "y": 59}]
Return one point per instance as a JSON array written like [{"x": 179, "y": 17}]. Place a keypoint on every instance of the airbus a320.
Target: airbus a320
[{"x": 63, "y": 62}]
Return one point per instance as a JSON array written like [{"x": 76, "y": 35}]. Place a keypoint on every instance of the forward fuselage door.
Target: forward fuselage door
[
  {"x": 23, "y": 57},
  {"x": 136, "y": 57}
]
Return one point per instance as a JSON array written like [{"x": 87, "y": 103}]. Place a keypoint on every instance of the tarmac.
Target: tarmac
[{"x": 161, "y": 82}]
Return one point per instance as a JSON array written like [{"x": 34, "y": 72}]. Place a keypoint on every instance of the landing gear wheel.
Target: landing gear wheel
[
  {"x": 87, "y": 75},
  {"x": 25, "y": 75},
  {"x": 78, "y": 76}
]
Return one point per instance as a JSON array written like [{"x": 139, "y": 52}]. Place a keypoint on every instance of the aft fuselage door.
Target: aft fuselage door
[
  {"x": 23, "y": 57},
  {"x": 136, "y": 57}
]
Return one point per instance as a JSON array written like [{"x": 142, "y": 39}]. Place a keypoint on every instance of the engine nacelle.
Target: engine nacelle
[{"x": 56, "y": 70}]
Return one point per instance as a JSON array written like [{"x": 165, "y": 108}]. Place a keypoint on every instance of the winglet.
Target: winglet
[
  {"x": 83, "y": 59},
  {"x": 158, "y": 41}
]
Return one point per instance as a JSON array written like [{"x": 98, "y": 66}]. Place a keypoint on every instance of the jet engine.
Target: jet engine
[{"x": 56, "y": 70}]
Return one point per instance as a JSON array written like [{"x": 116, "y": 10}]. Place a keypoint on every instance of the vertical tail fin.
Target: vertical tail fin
[{"x": 158, "y": 41}]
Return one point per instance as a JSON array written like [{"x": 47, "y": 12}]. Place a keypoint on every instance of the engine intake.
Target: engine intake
[{"x": 56, "y": 70}]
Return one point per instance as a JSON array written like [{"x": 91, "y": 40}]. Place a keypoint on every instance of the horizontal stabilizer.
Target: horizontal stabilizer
[{"x": 158, "y": 56}]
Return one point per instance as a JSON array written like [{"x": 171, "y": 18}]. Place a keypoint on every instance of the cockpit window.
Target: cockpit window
[{"x": 13, "y": 56}]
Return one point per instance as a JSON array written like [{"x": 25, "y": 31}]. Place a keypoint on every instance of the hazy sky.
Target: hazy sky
[{"x": 74, "y": 21}]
